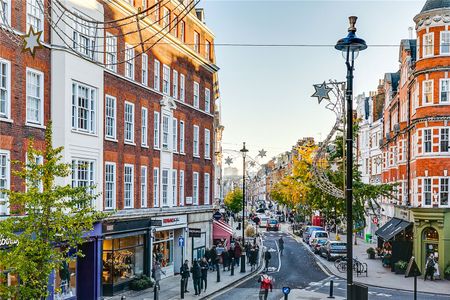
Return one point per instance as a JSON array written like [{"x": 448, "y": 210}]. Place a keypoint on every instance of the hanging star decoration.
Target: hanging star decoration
[
  {"x": 252, "y": 164},
  {"x": 262, "y": 153},
  {"x": 334, "y": 167},
  {"x": 228, "y": 161},
  {"x": 321, "y": 92},
  {"x": 32, "y": 41}
]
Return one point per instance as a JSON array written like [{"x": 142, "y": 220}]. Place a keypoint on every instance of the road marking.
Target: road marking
[{"x": 279, "y": 256}]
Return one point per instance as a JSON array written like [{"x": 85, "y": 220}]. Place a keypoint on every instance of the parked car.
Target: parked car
[
  {"x": 308, "y": 230},
  {"x": 333, "y": 249},
  {"x": 263, "y": 220},
  {"x": 316, "y": 243},
  {"x": 318, "y": 234},
  {"x": 273, "y": 224},
  {"x": 280, "y": 216}
]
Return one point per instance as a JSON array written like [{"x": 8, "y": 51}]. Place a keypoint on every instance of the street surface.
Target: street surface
[{"x": 298, "y": 269}]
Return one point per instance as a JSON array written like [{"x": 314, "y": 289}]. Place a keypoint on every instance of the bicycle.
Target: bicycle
[{"x": 341, "y": 265}]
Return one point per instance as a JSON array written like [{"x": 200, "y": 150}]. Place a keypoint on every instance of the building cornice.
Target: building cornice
[
  {"x": 435, "y": 17},
  {"x": 139, "y": 213}
]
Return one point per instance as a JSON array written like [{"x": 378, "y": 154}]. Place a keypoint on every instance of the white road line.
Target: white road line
[{"x": 279, "y": 257}]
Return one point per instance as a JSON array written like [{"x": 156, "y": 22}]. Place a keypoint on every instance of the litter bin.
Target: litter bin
[{"x": 360, "y": 292}]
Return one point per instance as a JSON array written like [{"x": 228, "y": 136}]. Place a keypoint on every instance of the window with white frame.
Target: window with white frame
[
  {"x": 195, "y": 188},
  {"x": 427, "y": 191},
  {"x": 174, "y": 187},
  {"x": 175, "y": 84},
  {"x": 5, "y": 89},
  {"x": 156, "y": 130},
  {"x": 84, "y": 38},
  {"x": 174, "y": 134},
  {"x": 5, "y": 179},
  {"x": 428, "y": 44},
  {"x": 445, "y": 42},
  {"x": 443, "y": 140},
  {"x": 165, "y": 186},
  {"x": 111, "y": 52},
  {"x": 144, "y": 75},
  {"x": 196, "y": 41},
  {"x": 415, "y": 103},
  {"x": 110, "y": 185},
  {"x": 196, "y": 94},
  {"x": 165, "y": 132},
  {"x": 143, "y": 186},
  {"x": 129, "y": 122},
  {"x": 129, "y": 61},
  {"x": 156, "y": 187},
  {"x": 427, "y": 140},
  {"x": 427, "y": 95},
  {"x": 182, "y": 88},
  {"x": 166, "y": 80},
  {"x": 35, "y": 97},
  {"x": 207, "y": 144},
  {"x": 166, "y": 19},
  {"x": 418, "y": 48},
  {"x": 181, "y": 137},
  {"x": 84, "y": 107},
  {"x": 128, "y": 191},
  {"x": 443, "y": 187},
  {"x": 157, "y": 70},
  {"x": 144, "y": 127},
  {"x": 110, "y": 117},
  {"x": 207, "y": 100},
  {"x": 181, "y": 187},
  {"x": 83, "y": 174},
  {"x": 207, "y": 188},
  {"x": 35, "y": 17},
  {"x": 195, "y": 141},
  {"x": 5, "y": 11},
  {"x": 444, "y": 91},
  {"x": 182, "y": 31}
]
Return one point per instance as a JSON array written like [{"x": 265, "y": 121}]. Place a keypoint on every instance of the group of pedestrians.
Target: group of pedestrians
[{"x": 199, "y": 271}]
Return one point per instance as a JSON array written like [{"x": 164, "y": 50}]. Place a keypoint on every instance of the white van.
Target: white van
[{"x": 318, "y": 234}]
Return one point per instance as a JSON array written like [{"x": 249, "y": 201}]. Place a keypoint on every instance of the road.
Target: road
[{"x": 298, "y": 269}]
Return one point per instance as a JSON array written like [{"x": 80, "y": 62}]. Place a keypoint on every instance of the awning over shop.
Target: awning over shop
[
  {"x": 221, "y": 230},
  {"x": 392, "y": 228}
]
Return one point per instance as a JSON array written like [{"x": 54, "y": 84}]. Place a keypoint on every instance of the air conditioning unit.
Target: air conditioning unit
[
  {"x": 397, "y": 128},
  {"x": 388, "y": 136}
]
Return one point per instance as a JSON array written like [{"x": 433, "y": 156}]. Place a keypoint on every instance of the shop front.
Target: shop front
[
  {"x": 165, "y": 247},
  {"x": 125, "y": 254},
  {"x": 222, "y": 233},
  {"x": 432, "y": 236}
]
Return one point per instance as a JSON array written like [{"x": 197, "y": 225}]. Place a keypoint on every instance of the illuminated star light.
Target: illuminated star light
[
  {"x": 321, "y": 92},
  {"x": 252, "y": 164},
  {"x": 228, "y": 161},
  {"x": 32, "y": 41},
  {"x": 334, "y": 167},
  {"x": 262, "y": 153}
]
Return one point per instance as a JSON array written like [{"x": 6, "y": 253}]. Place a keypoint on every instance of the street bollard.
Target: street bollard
[
  {"x": 182, "y": 288},
  {"x": 156, "y": 292},
  {"x": 218, "y": 273},
  {"x": 285, "y": 296},
  {"x": 232, "y": 267},
  {"x": 331, "y": 290}
]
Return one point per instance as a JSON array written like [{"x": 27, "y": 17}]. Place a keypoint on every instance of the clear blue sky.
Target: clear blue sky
[{"x": 265, "y": 92}]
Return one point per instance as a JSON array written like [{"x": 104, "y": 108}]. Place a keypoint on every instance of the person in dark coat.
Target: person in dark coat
[
  {"x": 252, "y": 258},
  {"x": 267, "y": 257},
  {"x": 196, "y": 276},
  {"x": 213, "y": 258},
  {"x": 226, "y": 260},
  {"x": 184, "y": 271},
  {"x": 204, "y": 269},
  {"x": 237, "y": 253}
]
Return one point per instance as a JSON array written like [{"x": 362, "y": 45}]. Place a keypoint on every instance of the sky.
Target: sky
[{"x": 266, "y": 91}]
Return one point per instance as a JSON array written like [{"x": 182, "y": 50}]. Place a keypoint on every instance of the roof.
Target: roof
[
  {"x": 392, "y": 228},
  {"x": 435, "y": 4},
  {"x": 410, "y": 45}
]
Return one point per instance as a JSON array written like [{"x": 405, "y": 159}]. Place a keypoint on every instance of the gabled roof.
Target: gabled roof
[
  {"x": 435, "y": 4},
  {"x": 410, "y": 45}
]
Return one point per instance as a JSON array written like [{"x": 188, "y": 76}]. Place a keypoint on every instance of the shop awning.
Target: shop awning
[
  {"x": 392, "y": 228},
  {"x": 221, "y": 230}
]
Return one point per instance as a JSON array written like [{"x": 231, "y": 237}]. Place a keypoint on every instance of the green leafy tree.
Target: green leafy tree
[
  {"x": 233, "y": 200},
  {"x": 51, "y": 220}
]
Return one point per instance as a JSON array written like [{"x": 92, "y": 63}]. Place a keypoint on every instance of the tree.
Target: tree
[
  {"x": 233, "y": 200},
  {"x": 51, "y": 220}
]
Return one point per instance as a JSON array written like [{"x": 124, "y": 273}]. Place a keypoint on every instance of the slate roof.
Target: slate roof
[{"x": 435, "y": 4}]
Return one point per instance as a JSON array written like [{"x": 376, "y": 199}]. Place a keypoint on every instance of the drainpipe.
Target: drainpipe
[{"x": 408, "y": 151}]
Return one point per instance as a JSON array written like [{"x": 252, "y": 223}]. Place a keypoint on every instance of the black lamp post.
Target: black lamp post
[
  {"x": 350, "y": 47},
  {"x": 244, "y": 154}
]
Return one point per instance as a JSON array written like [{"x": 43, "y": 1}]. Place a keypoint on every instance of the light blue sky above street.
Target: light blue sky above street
[{"x": 265, "y": 91}]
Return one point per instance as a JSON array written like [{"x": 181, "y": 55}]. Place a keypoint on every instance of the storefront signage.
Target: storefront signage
[
  {"x": 195, "y": 232},
  {"x": 5, "y": 242},
  {"x": 156, "y": 222},
  {"x": 170, "y": 221},
  {"x": 109, "y": 227},
  {"x": 217, "y": 216}
]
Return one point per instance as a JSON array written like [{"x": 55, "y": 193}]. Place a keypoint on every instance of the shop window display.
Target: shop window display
[
  {"x": 65, "y": 281},
  {"x": 123, "y": 259},
  {"x": 163, "y": 248}
]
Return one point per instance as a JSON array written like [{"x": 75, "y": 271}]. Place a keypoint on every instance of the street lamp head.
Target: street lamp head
[
  {"x": 244, "y": 151},
  {"x": 351, "y": 43}
]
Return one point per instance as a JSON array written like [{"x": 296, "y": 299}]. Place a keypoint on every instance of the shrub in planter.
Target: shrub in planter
[
  {"x": 141, "y": 282},
  {"x": 400, "y": 267},
  {"x": 371, "y": 252},
  {"x": 447, "y": 272}
]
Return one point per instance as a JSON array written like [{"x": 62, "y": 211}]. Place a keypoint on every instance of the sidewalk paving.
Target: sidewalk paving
[{"x": 380, "y": 276}]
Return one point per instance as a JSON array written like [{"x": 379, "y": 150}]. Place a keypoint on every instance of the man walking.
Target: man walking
[
  {"x": 266, "y": 283},
  {"x": 267, "y": 257},
  {"x": 281, "y": 245},
  {"x": 196, "y": 276},
  {"x": 184, "y": 271}
]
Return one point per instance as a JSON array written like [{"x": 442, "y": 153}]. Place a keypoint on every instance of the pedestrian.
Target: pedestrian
[
  {"x": 252, "y": 258},
  {"x": 247, "y": 252},
  {"x": 157, "y": 274},
  {"x": 204, "y": 269},
  {"x": 267, "y": 257},
  {"x": 429, "y": 267},
  {"x": 266, "y": 283},
  {"x": 184, "y": 271},
  {"x": 226, "y": 260},
  {"x": 281, "y": 245},
  {"x": 196, "y": 276},
  {"x": 213, "y": 257},
  {"x": 207, "y": 252},
  {"x": 237, "y": 253}
]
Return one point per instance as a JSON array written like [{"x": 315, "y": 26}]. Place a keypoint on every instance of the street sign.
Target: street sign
[
  {"x": 217, "y": 216},
  {"x": 155, "y": 222},
  {"x": 412, "y": 270},
  {"x": 181, "y": 241},
  {"x": 195, "y": 232},
  {"x": 286, "y": 290}
]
